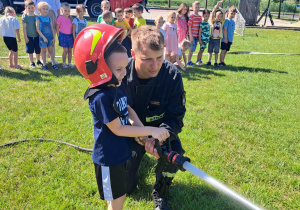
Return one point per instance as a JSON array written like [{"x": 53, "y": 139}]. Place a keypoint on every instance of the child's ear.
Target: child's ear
[{"x": 132, "y": 54}]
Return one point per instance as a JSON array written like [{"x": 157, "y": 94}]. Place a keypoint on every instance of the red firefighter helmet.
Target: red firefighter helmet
[{"x": 89, "y": 48}]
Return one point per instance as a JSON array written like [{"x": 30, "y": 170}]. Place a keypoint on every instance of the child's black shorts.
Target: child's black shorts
[
  {"x": 33, "y": 46},
  {"x": 11, "y": 43},
  {"x": 111, "y": 181},
  {"x": 226, "y": 46}
]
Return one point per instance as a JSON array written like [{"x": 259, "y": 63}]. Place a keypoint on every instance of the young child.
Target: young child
[
  {"x": 79, "y": 22},
  {"x": 128, "y": 16},
  {"x": 182, "y": 19},
  {"x": 121, "y": 23},
  {"x": 65, "y": 35},
  {"x": 171, "y": 41},
  {"x": 182, "y": 47},
  {"x": 159, "y": 22},
  {"x": 9, "y": 29},
  {"x": 31, "y": 36},
  {"x": 216, "y": 33},
  {"x": 105, "y": 6},
  {"x": 193, "y": 27},
  {"x": 228, "y": 32},
  {"x": 113, "y": 119},
  {"x": 106, "y": 17},
  {"x": 46, "y": 33},
  {"x": 204, "y": 35},
  {"x": 138, "y": 18}
]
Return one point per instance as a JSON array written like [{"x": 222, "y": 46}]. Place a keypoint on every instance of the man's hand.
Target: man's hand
[
  {"x": 160, "y": 133},
  {"x": 141, "y": 140},
  {"x": 149, "y": 147}
]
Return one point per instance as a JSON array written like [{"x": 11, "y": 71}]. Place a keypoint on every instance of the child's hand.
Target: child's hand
[
  {"x": 220, "y": 3},
  {"x": 160, "y": 133},
  {"x": 191, "y": 39},
  {"x": 200, "y": 42},
  {"x": 26, "y": 40},
  {"x": 141, "y": 140},
  {"x": 183, "y": 69},
  {"x": 19, "y": 39},
  {"x": 45, "y": 40},
  {"x": 226, "y": 40},
  {"x": 53, "y": 41}
]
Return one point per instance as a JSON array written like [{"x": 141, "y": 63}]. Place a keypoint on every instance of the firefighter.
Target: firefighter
[{"x": 156, "y": 93}]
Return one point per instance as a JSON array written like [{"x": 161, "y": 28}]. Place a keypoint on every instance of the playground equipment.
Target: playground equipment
[{"x": 266, "y": 13}]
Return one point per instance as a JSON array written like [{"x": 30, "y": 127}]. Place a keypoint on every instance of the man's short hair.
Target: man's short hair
[
  {"x": 128, "y": 10},
  {"x": 232, "y": 9},
  {"x": 118, "y": 10},
  {"x": 138, "y": 7},
  {"x": 147, "y": 35},
  {"x": 28, "y": 3},
  {"x": 106, "y": 14}
]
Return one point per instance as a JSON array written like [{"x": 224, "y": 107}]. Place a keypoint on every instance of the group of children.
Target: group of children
[
  {"x": 39, "y": 35},
  {"x": 181, "y": 31}
]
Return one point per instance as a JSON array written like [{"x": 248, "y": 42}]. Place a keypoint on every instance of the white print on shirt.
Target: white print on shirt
[{"x": 122, "y": 104}]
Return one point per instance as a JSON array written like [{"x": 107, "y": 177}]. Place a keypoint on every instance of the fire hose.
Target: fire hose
[{"x": 183, "y": 163}]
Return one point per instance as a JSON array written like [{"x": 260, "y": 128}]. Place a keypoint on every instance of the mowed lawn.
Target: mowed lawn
[{"x": 241, "y": 127}]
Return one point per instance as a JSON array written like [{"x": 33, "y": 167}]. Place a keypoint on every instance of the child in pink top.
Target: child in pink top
[
  {"x": 65, "y": 37},
  {"x": 182, "y": 19},
  {"x": 171, "y": 33}
]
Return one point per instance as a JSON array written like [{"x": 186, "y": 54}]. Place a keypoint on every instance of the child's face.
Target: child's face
[
  {"x": 219, "y": 16},
  {"x": 196, "y": 8},
  {"x": 136, "y": 13},
  {"x": 184, "y": 11},
  {"x": 159, "y": 23},
  {"x": 184, "y": 48},
  {"x": 80, "y": 12},
  {"x": 66, "y": 11},
  {"x": 117, "y": 63},
  {"x": 44, "y": 10},
  {"x": 231, "y": 14},
  {"x": 172, "y": 18},
  {"x": 30, "y": 9},
  {"x": 119, "y": 16},
  {"x": 206, "y": 17},
  {"x": 128, "y": 15},
  {"x": 108, "y": 20},
  {"x": 106, "y": 7}
]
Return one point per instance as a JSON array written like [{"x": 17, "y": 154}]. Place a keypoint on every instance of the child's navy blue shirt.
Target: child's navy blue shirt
[{"x": 109, "y": 149}]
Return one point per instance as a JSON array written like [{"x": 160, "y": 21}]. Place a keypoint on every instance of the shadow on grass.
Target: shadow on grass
[
  {"x": 37, "y": 75},
  {"x": 241, "y": 68},
  {"x": 181, "y": 196},
  {"x": 198, "y": 73}
]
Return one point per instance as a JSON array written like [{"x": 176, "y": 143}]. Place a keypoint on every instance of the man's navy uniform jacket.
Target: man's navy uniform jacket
[{"x": 160, "y": 102}]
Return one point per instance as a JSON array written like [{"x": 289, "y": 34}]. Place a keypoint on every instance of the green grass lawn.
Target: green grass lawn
[{"x": 241, "y": 127}]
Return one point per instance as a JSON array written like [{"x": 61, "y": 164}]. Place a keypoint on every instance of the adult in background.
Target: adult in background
[{"x": 156, "y": 93}]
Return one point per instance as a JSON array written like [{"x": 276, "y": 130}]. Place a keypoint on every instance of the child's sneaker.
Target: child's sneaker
[
  {"x": 54, "y": 67},
  {"x": 64, "y": 65},
  {"x": 199, "y": 62},
  {"x": 216, "y": 64},
  {"x": 208, "y": 63},
  {"x": 222, "y": 64},
  {"x": 44, "y": 67},
  {"x": 32, "y": 65},
  {"x": 71, "y": 66},
  {"x": 39, "y": 63},
  {"x": 190, "y": 63}
]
